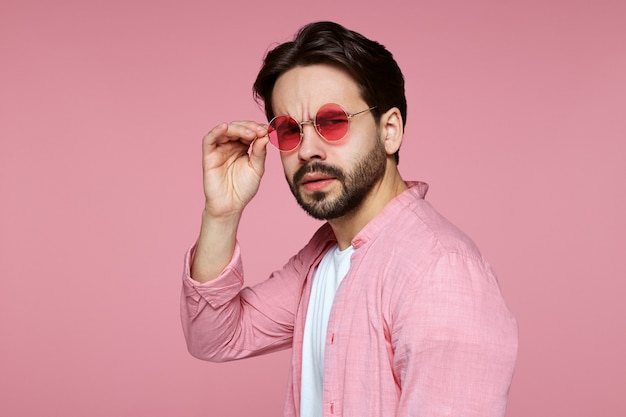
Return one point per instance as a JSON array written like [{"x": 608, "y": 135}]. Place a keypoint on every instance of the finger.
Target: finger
[
  {"x": 210, "y": 139},
  {"x": 237, "y": 137},
  {"x": 258, "y": 154},
  {"x": 242, "y": 131},
  {"x": 250, "y": 124},
  {"x": 246, "y": 131}
]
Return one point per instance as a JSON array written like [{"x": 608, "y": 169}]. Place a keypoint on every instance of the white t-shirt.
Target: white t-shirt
[{"x": 329, "y": 274}]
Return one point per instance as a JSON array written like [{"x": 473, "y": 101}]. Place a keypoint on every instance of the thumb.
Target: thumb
[{"x": 258, "y": 154}]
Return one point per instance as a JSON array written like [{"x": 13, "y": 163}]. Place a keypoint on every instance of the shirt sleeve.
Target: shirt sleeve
[
  {"x": 223, "y": 320},
  {"x": 454, "y": 341}
]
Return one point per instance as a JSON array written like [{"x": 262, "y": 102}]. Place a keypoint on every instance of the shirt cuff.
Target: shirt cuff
[{"x": 220, "y": 290}]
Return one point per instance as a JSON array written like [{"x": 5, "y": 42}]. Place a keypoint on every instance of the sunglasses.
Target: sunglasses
[{"x": 331, "y": 122}]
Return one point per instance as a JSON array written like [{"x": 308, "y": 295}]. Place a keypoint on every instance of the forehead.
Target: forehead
[{"x": 304, "y": 89}]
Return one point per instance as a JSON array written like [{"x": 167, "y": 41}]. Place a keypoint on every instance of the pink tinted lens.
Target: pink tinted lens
[
  {"x": 332, "y": 122},
  {"x": 284, "y": 133}
]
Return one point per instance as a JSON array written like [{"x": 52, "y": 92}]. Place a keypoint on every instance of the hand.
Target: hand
[{"x": 233, "y": 163}]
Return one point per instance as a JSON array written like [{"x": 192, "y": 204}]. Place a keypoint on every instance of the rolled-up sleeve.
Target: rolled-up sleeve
[
  {"x": 224, "y": 320},
  {"x": 215, "y": 293}
]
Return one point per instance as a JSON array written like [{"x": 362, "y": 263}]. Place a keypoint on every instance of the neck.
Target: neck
[{"x": 348, "y": 226}]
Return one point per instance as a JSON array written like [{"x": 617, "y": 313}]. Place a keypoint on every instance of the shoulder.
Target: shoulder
[
  {"x": 419, "y": 230},
  {"x": 422, "y": 247}
]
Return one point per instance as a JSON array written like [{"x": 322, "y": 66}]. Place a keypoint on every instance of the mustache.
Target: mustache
[{"x": 320, "y": 168}]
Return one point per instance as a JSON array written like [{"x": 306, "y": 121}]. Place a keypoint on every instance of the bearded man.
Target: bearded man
[{"x": 390, "y": 309}]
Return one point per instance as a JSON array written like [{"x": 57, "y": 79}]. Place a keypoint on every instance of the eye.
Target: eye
[
  {"x": 285, "y": 126},
  {"x": 288, "y": 130},
  {"x": 332, "y": 125},
  {"x": 331, "y": 115},
  {"x": 334, "y": 120}
]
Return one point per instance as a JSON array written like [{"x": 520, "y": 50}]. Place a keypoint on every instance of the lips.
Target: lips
[
  {"x": 315, "y": 177},
  {"x": 314, "y": 181}
]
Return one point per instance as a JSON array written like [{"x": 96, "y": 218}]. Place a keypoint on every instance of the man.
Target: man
[{"x": 390, "y": 309}]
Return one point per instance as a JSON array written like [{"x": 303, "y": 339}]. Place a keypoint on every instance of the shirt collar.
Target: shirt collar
[{"x": 416, "y": 191}]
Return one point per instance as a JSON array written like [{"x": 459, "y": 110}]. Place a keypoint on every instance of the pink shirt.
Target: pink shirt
[{"x": 418, "y": 326}]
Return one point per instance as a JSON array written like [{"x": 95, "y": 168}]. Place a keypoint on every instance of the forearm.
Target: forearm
[
  {"x": 215, "y": 323},
  {"x": 215, "y": 247},
  {"x": 233, "y": 162},
  {"x": 222, "y": 320}
]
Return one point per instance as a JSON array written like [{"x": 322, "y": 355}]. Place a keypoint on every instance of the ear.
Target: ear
[{"x": 391, "y": 130}]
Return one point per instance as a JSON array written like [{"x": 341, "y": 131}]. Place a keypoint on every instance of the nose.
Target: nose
[{"x": 312, "y": 145}]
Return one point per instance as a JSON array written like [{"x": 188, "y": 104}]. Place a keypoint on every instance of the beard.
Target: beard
[{"x": 355, "y": 185}]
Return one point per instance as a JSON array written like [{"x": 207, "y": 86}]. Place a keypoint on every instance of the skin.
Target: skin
[
  {"x": 233, "y": 156},
  {"x": 355, "y": 184}
]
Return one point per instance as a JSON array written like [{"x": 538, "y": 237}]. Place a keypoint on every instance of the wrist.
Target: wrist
[{"x": 225, "y": 218}]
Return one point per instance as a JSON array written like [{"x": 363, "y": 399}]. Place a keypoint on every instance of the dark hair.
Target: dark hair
[{"x": 369, "y": 63}]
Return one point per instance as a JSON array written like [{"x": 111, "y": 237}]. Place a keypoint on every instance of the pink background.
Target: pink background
[{"x": 516, "y": 119}]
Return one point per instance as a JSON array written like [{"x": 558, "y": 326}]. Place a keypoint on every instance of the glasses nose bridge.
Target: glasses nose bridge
[{"x": 307, "y": 122}]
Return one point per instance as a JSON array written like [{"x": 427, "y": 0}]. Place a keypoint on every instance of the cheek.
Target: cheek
[
  {"x": 362, "y": 147},
  {"x": 289, "y": 163}
]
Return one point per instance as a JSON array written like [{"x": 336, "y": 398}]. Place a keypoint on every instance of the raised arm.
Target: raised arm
[{"x": 233, "y": 162}]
